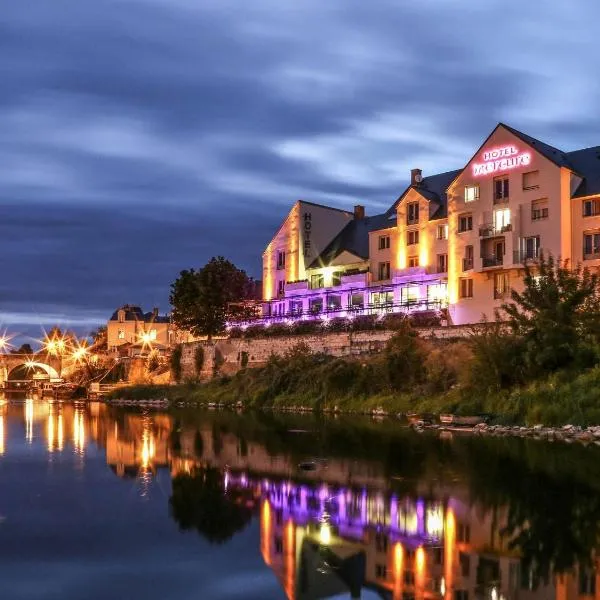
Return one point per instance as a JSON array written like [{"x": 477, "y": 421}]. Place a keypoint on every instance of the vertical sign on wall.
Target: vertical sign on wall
[{"x": 307, "y": 233}]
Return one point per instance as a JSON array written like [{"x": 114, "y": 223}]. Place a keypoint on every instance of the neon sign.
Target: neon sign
[{"x": 501, "y": 159}]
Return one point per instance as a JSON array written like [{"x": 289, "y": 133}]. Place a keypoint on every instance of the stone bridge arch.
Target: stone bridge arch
[{"x": 41, "y": 361}]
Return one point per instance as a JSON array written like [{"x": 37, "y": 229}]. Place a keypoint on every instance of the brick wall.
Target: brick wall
[{"x": 231, "y": 352}]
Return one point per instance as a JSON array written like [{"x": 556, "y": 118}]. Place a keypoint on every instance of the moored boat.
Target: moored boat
[{"x": 461, "y": 421}]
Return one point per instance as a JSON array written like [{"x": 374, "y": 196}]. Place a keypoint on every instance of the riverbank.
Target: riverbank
[{"x": 322, "y": 384}]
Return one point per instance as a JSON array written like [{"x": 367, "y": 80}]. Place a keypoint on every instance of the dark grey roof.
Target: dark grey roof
[
  {"x": 586, "y": 163},
  {"x": 354, "y": 238},
  {"x": 434, "y": 189},
  {"x": 135, "y": 313},
  {"x": 553, "y": 154}
]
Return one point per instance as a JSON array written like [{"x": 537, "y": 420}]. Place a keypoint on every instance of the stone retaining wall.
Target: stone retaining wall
[{"x": 232, "y": 354}]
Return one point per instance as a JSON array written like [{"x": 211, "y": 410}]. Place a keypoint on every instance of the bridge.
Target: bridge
[{"x": 25, "y": 366}]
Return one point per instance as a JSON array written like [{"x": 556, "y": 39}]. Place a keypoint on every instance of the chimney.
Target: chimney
[
  {"x": 359, "y": 212},
  {"x": 416, "y": 177}
]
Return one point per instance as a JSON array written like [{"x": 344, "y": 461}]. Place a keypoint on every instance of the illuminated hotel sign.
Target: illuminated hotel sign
[{"x": 501, "y": 159}]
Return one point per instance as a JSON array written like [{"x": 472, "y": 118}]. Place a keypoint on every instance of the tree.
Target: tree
[
  {"x": 99, "y": 337},
  {"x": 23, "y": 349},
  {"x": 201, "y": 502},
  {"x": 203, "y": 301},
  {"x": 556, "y": 316}
]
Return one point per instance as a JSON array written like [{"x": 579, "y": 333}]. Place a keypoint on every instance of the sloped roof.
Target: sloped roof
[
  {"x": 354, "y": 238},
  {"x": 135, "y": 313},
  {"x": 434, "y": 189},
  {"x": 586, "y": 163}
]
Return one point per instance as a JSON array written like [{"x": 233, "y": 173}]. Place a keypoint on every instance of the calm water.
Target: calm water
[{"x": 100, "y": 503}]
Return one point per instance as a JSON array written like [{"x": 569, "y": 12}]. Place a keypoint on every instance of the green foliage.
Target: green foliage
[
  {"x": 404, "y": 358},
  {"x": 176, "y": 363},
  {"x": 203, "y": 301},
  {"x": 556, "y": 318},
  {"x": 199, "y": 359}
]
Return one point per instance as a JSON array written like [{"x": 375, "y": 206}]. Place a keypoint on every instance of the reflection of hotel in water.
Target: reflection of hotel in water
[{"x": 333, "y": 531}]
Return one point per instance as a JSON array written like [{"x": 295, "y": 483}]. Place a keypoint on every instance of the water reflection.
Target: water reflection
[{"x": 400, "y": 515}]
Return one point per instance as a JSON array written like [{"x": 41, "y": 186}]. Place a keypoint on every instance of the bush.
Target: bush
[
  {"x": 404, "y": 357},
  {"x": 175, "y": 363},
  {"x": 337, "y": 325},
  {"x": 305, "y": 327},
  {"x": 235, "y": 332},
  {"x": 365, "y": 323}
]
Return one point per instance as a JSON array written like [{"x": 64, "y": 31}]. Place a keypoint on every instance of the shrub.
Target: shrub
[
  {"x": 236, "y": 332},
  {"x": 393, "y": 321},
  {"x": 176, "y": 363},
  {"x": 337, "y": 325},
  {"x": 404, "y": 357},
  {"x": 277, "y": 330},
  {"x": 305, "y": 327},
  {"x": 425, "y": 319},
  {"x": 254, "y": 331},
  {"x": 365, "y": 323}
]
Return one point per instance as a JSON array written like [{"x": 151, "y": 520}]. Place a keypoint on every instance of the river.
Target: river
[{"x": 98, "y": 502}]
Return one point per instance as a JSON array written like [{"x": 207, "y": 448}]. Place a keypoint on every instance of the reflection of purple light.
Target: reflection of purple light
[
  {"x": 323, "y": 493},
  {"x": 341, "y": 506},
  {"x": 420, "y": 517},
  {"x": 363, "y": 508},
  {"x": 393, "y": 512}
]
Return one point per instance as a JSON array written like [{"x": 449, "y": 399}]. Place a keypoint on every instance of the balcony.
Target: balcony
[
  {"x": 467, "y": 264},
  {"x": 520, "y": 257},
  {"x": 489, "y": 230},
  {"x": 503, "y": 200},
  {"x": 492, "y": 261}
]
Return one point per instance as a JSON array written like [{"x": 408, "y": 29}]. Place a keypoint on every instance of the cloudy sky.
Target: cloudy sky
[{"x": 141, "y": 137}]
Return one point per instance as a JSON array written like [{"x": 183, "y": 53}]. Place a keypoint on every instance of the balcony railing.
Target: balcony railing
[
  {"x": 524, "y": 256},
  {"x": 467, "y": 264},
  {"x": 412, "y": 221},
  {"x": 492, "y": 261},
  {"x": 490, "y": 230},
  {"x": 595, "y": 255},
  {"x": 500, "y": 294},
  {"x": 502, "y": 200}
]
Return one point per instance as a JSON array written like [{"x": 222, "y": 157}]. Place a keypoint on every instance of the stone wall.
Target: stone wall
[{"x": 231, "y": 354}]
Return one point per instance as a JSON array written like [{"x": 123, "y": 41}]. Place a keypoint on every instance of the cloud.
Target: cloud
[{"x": 141, "y": 137}]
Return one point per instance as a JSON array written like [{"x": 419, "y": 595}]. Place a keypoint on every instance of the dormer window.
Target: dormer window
[{"x": 412, "y": 213}]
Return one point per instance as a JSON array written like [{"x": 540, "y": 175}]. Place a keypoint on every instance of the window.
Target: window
[
  {"x": 384, "y": 242},
  {"x": 502, "y": 220},
  {"x": 383, "y": 271},
  {"x": 280, "y": 287},
  {"x": 412, "y": 238},
  {"x": 152, "y": 334},
  {"x": 281, "y": 260},
  {"x": 317, "y": 281},
  {"x": 336, "y": 278},
  {"x": 412, "y": 213},
  {"x": 413, "y": 261},
  {"x": 471, "y": 193},
  {"x": 539, "y": 210},
  {"x": 587, "y": 582},
  {"x": 296, "y": 307},
  {"x": 531, "y": 180},
  {"x": 380, "y": 571},
  {"x": 531, "y": 247},
  {"x": 465, "y": 223},
  {"x": 334, "y": 302},
  {"x": 591, "y": 208},
  {"x": 500, "y": 189},
  {"x": 438, "y": 292},
  {"x": 357, "y": 300},
  {"x": 442, "y": 263},
  {"x": 591, "y": 245},
  {"x": 442, "y": 232},
  {"x": 382, "y": 298},
  {"x": 121, "y": 334},
  {"x": 409, "y": 294},
  {"x": 463, "y": 533},
  {"x": 465, "y": 564},
  {"x": 315, "y": 305},
  {"x": 468, "y": 258},
  {"x": 465, "y": 288},
  {"x": 381, "y": 543}
]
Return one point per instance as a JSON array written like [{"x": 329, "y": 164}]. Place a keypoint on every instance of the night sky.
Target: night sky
[{"x": 141, "y": 137}]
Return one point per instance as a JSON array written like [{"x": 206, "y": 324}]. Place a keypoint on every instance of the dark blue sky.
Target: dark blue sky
[{"x": 141, "y": 137}]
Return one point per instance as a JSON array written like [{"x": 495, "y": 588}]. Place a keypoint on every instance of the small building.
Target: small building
[{"x": 130, "y": 325}]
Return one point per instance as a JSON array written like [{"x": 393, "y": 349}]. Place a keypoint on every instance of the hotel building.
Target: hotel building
[{"x": 456, "y": 240}]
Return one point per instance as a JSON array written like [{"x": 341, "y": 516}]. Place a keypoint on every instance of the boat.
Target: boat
[
  {"x": 460, "y": 421},
  {"x": 420, "y": 418}
]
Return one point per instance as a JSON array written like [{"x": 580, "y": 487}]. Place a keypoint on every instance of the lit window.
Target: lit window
[
  {"x": 502, "y": 220},
  {"x": 465, "y": 288},
  {"x": 412, "y": 238},
  {"x": 413, "y": 261},
  {"x": 500, "y": 285},
  {"x": 334, "y": 302},
  {"x": 382, "y": 298},
  {"x": 591, "y": 246},
  {"x": 442, "y": 232},
  {"x": 153, "y": 334},
  {"x": 471, "y": 193},
  {"x": 409, "y": 294},
  {"x": 317, "y": 281},
  {"x": 121, "y": 334},
  {"x": 384, "y": 242},
  {"x": 437, "y": 292},
  {"x": 465, "y": 223}
]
